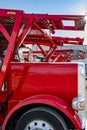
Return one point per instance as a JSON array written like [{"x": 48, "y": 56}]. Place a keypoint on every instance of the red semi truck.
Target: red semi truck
[{"x": 37, "y": 90}]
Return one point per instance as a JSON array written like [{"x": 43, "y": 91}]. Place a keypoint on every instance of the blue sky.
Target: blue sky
[{"x": 47, "y": 6}]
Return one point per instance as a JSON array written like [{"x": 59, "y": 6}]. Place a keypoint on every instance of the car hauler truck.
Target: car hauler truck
[{"x": 39, "y": 88}]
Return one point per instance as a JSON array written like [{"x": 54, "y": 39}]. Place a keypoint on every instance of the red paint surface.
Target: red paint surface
[{"x": 44, "y": 78}]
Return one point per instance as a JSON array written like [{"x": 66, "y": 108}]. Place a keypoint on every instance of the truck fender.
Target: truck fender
[{"x": 49, "y": 100}]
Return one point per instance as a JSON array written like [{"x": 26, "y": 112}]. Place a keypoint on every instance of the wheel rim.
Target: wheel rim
[{"x": 38, "y": 125}]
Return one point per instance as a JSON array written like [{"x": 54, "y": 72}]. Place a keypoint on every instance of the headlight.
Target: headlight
[{"x": 78, "y": 103}]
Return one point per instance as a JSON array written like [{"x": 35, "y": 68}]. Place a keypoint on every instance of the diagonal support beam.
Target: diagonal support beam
[
  {"x": 10, "y": 49},
  {"x": 4, "y": 31},
  {"x": 26, "y": 30}
]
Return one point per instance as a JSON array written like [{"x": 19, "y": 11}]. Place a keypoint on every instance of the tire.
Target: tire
[{"x": 41, "y": 118}]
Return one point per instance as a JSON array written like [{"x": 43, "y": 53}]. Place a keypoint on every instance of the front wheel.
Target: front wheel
[{"x": 41, "y": 118}]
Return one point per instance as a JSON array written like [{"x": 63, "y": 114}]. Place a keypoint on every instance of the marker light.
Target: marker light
[{"x": 11, "y": 12}]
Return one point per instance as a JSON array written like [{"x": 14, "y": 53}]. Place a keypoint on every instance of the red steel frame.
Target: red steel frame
[
  {"x": 22, "y": 29},
  {"x": 11, "y": 40},
  {"x": 39, "y": 23}
]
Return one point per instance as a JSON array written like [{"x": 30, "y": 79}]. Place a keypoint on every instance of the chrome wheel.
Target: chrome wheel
[{"x": 38, "y": 125}]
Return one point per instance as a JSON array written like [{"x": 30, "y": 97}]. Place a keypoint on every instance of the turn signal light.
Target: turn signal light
[{"x": 78, "y": 103}]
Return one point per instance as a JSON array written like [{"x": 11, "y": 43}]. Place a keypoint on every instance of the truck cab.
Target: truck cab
[{"x": 39, "y": 88}]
